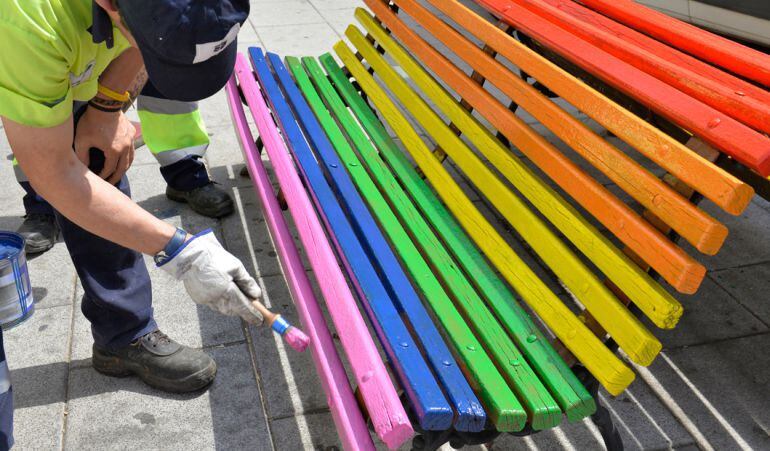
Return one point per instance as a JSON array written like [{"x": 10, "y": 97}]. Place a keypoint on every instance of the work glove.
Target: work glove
[{"x": 215, "y": 278}]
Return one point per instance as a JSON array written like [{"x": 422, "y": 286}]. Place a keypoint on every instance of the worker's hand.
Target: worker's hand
[
  {"x": 113, "y": 134},
  {"x": 214, "y": 277}
]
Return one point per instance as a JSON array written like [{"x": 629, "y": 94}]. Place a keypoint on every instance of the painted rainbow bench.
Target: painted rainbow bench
[{"x": 450, "y": 297}]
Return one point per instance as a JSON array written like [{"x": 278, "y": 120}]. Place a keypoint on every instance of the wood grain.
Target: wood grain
[
  {"x": 731, "y": 55},
  {"x": 470, "y": 413},
  {"x": 346, "y": 414},
  {"x": 383, "y": 404},
  {"x": 718, "y": 129},
  {"x": 714, "y": 183},
  {"x": 679, "y": 269},
  {"x": 603, "y": 364},
  {"x": 572, "y": 396}
]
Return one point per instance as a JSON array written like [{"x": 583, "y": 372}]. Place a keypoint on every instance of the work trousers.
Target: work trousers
[
  {"x": 174, "y": 133},
  {"x": 117, "y": 297}
]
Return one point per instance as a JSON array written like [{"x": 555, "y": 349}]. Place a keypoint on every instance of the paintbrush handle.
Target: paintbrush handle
[{"x": 269, "y": 316}]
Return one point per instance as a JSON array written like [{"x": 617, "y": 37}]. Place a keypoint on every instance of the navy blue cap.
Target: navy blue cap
[{"x": 188, "y": 46}]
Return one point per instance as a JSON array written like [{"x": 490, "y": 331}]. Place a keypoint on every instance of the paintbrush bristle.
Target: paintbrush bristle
[{"x": 296, "y": 339}]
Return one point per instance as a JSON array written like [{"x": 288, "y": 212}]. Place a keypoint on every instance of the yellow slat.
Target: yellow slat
[
  {"x": 656, "y": 302},
  {"x": 600, "y": 361}
]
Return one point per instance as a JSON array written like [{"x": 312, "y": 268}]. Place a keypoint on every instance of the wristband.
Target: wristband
[
  {"x": 93, "y": 104},
  {"x": 171, "y": 248},
  {"x": 109, "y": 93}
]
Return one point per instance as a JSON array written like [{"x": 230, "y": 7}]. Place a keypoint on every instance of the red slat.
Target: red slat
[
  {"x": 707, "y": 46},
  {"x": 718, "y": 129}
]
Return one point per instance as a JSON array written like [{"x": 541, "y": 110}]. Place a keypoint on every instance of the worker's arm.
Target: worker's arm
[
  {"x": 112, "y": 132},
  {"x": 211, "y": 275},
  {"x": 46, "y": 157}
]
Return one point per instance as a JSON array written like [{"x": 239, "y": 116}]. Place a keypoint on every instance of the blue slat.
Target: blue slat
[
  {"x": 429, "y": 404},
  {"x": 471, "y": 415}
]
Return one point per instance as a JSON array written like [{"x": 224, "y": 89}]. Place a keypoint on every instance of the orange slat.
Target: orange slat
[{"x": 678, "y": 268}]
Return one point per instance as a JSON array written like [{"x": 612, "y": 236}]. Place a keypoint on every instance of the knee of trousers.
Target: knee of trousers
[{"x": 171, "y": 129}]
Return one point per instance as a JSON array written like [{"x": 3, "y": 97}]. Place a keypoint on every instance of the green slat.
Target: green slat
[
  {"x": 543, "y": 409},
  {"x": 503, "y": 407},
  {"x": 571, "y": 395}
]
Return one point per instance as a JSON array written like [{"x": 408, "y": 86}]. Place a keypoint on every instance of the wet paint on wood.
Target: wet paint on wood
[
  {"x": 714, "y": 183},
  {"x": 423, "y": 392},
  {"x": 561, "y": 382},
  {"x": 383, "y": 404},
  {"x": 347, "y": 416},
  {"x": 600, "y": 361}
]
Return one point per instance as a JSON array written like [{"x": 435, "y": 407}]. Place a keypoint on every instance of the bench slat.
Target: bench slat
[
  {"x": 542, "y": 409},
  {"x": 693, "y": 224},
  {"x": 640, "y": 40},
  {"x": 723, "y": 132},
  {"x": 608, "y": 369},
  {"x": 342, "y": 403},
  {"x": 744, "y": 108},
  {"x": 731, "y": 55},
  {"x": 674, "y": 264},
  {"x": 635, "y": 339},
  {"x": 470, "y": 411},
  {"x": 656, "y": 302},
  {"x": 572, "y": 396},
  {"x": 714, "y": 183},
  {"x": 641, "y": 346},
  {"x": 425, "y": 395},
  {"x": 384, "y": 406}
]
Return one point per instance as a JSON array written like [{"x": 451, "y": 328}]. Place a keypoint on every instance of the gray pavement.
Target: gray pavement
[{"x": 709, "y": 388}]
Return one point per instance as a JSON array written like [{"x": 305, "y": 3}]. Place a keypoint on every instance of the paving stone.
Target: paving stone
[
  {"x": 114, "y": 413},
  {"x": 264, "y": 259},
  {"x": 287, "y": 12},
  {"x": 310, "y": 39},
  {"x": 53, "y": 276},
  {"x": 742, "y": 247},
  {"x": 293, "y": 381},
  {"x": 306, "y": 432},
  {"x": 711, "y": 314},
  {"x": 322, "y": 5},
  {"x": 723, "y": 388},
  {"x": 339, "y": 18},
  {"x": 37, "y": 356},
  {"x": 748, "y": 284},
  {"x": 316, "y": 432},
  {"x": 643, "y": 421}
]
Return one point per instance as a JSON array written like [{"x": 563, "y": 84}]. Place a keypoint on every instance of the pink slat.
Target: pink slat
[
  {"x": 385, "y": 409},
  {"x": 342, "y": 403}
]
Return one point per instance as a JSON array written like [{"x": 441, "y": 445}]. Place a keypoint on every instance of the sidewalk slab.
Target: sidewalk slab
[
  {"x": 110, "y": 414},
  {"x": 748, "y": 284},
  {"x": 294, "y": 387},
  {"x": 37, "y": 352},
  {"x": 710, "y": 315},
  {"x": 723, "y": 389}
]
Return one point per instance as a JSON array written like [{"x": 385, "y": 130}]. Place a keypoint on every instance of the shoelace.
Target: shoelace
[{"x": 158, "y": 338}]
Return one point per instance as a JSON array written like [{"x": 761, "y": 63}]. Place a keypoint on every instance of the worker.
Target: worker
[
  {"x": 176, "y": 136},
  {"x": 64, "y": 68}
]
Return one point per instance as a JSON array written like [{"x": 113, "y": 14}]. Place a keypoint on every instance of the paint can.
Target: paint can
[{"x": 16, "y": 300}]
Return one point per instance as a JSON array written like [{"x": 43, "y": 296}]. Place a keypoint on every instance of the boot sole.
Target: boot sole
[
  {"x": 32, "y": 250},
  {"x": 116, "y": 367},
  {"x": 223, "y": 211}
]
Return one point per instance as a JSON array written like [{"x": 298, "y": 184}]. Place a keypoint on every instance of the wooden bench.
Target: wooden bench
[{"x": 447, "y": 293}]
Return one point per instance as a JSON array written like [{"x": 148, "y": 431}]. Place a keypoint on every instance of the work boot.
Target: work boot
[
  {"x": 208, "y": 200},
  {"x": 40, "y": 232},
  {"x": 160, "y": 362}
]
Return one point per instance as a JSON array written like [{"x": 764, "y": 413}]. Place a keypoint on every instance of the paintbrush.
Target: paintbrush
[{"x": 293, "y": 336}]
